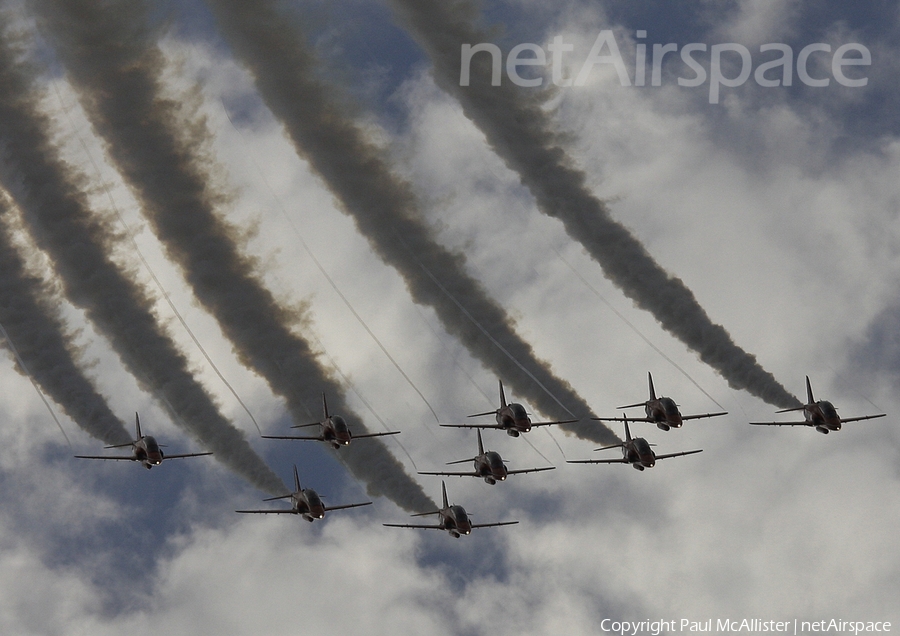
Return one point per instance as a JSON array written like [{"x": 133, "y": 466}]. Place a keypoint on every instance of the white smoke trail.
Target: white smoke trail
[
  {"x": 114, "y": 63},
  {"x": 56, "y": 214},
  {"x": 520, "y": 131},
  {"x": 382, "y": 204}
]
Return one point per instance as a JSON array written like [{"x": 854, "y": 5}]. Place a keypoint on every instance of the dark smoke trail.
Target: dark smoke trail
[
  {"x": 114, "y": 63},
  {"x": 44, "y": 347},
  {"x": 520, "y": 132},
  {"x": 57, "y": 215},
  {"x": 384, "y": 206}
]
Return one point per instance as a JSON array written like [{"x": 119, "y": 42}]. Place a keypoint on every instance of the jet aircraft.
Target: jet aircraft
[
  {"x": 488, "y": 465},
  {"x": 820, "y": 414},
  {"x": 333, "y": 429},
  {"x": 144, "y": 449},
  {"x": 453, "y": 519},
  {"x": 304, "y": 501},
  {"x": 511, "y": 418},
  {"x": 635, "y": 451},
  {"x": 661, "y": 411}
]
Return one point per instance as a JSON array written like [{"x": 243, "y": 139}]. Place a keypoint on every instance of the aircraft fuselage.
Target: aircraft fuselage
[
  {"x": 336, "y": 432},
  {"x": 664, "y": 412},
  {"x": 455, "y": 521},
  {"x": 639, "y": 454},
  {"x": 823, "y": 416},
  {"x": 513, "y": 419},
  {"x": 308, "y": 503},
  {"x": 147, "y": 451},
  {"x": 490, "y": 466}
]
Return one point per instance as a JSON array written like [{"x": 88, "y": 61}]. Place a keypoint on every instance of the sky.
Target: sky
[{"x": 777, "y": 206}]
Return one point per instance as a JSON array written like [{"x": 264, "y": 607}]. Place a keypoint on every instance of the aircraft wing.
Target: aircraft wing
[
  {"x": 117, "y": 457},
  {"x": 318, "y": 438},
  {"x": 697, "y": 417},
  {"x": 375, "y": 434},
  {"x": 667, "y": 455},
  {"x": 620, "y": 460},
  {"x": 468, "y": 474},
  {"x": 861, "y": 417},
  {"x": 289, "y": 511},
  {"x": 413, "y": 525},
  {"x": 496, "y": 523},
  {"x": 467, "y": 425},
  {"x": 342, "y": 506},
  {"x": 552, "y": 423},
  {"x": 185, "y": 455},
  {"x": 781, "y": 423},
  {"x": 529, "y": 470}
]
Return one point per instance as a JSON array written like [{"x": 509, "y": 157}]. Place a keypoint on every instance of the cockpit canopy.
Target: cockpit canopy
[
  {"x": 339, "y": 424},
  {"x": 459, "y": 513},
  {"x": 493, "y": 460},
  {"x": 518, "y": 411},
  {"x": 642, "y": 446},
  {"x": 313, "y": 499},
  {"x": 669, "y": 406},
  {"x": 828, "y": 409},
  {"x": 151, "y": 444}
]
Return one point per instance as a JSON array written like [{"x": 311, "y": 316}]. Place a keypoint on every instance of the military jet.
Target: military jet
[
  {"x": 822, "y": 415},
  {"x": 144, "y": 449},
  {"x": 511, "y": 418},
  {"x": 488, "y": 465},
  {"x": 304, "y": 501},
  {"x": 635, "y": 451},
  {"x": 333, "y": 429},
  {"x": 661, "y": 411},
  {"x": 453, "y": 519}
]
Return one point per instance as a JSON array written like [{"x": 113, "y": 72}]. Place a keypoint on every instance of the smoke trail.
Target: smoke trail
[
  {"x": 43, "y": 348},
  {"x": 383, "y": 205},
  {"x": 520, "y": 132},
  {"x": 57, "y": 216},
  {"x": 115, "y": 65}
]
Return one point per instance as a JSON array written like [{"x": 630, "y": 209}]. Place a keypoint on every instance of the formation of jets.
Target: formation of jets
[{"x": 488, "y": 465}]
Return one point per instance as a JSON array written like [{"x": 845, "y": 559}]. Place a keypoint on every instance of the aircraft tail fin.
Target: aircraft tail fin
[
  {"x": 325, "y": 405},
  {"x": 627, "y": 430},
  {"x": 502, "y": 395},
  {"x": 444, "y": 493},
  {"x": 296, "y": 479},
  {"x": 480, "y": 443},
  {"x": 809, "y": 393},
  {"x": 137, "y": 427},
  {"x": 652, "y": 392}
]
